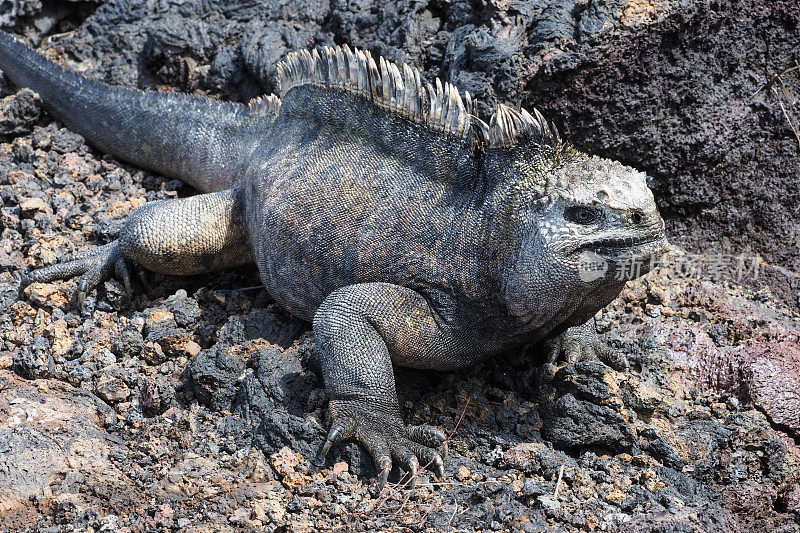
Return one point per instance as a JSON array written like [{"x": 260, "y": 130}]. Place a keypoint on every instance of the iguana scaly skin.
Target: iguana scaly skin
[{"x": 406, "y": 229}]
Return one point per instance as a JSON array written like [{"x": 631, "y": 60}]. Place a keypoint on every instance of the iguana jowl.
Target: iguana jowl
[{"x": 406, "y": 229}]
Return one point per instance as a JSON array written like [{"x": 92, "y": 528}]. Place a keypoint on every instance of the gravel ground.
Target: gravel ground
[{"x": 190, "y": 408}]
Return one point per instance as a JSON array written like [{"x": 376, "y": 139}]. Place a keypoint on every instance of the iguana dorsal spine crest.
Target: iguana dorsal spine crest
[{"x": 440, "y": 106}]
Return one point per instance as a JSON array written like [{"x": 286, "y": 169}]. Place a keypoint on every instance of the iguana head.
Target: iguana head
[
  {"x": 599, "y": 211},
  {"x": 579, "y": 226}
]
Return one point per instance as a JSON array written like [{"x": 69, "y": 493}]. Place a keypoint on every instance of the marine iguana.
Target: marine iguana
[{"x": 406, "y": 229}]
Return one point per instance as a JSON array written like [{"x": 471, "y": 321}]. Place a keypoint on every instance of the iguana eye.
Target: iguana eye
[{"x": 582, "y": 215}]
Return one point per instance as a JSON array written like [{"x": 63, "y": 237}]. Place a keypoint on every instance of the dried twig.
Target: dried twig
[
  {"x": 789, "y": 114},
  {"x": 392, "y": 491},
  {"x": 775, "y": 77},
  {"x": 558, "y": 483}
]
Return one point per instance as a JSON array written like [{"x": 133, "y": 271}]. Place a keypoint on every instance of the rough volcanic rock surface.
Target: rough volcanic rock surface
[
  {"x": 195, "y": 407},
  {"x": 714, "y": 123}
]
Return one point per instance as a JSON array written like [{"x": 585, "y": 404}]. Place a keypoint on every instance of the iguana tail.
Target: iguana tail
[{"x": 193, "y": 138}]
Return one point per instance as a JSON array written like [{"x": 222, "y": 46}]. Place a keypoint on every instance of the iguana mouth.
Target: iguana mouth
[{"x": 615, "y": 245}]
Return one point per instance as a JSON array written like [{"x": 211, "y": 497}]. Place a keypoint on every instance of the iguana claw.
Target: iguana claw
[
  {"x": 94, "y": 266},
  {"x": 581, "y": 343},
  {"x": 387, "y": 439}
]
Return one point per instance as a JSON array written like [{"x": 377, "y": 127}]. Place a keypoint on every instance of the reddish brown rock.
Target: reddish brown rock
[
  {"x": 770, "y": 376},
  {"x": 53, "y": 444},
  {"x": 765, "y": 372}
]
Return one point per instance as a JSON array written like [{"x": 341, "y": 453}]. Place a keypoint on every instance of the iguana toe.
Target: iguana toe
[
  {"x": 609, "y": 357},
  {"x": 341, "y": 430},
  {"x": 431, "y": 437}
]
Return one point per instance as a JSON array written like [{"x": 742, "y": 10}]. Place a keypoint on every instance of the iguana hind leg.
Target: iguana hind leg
[
  {"x": 185, "y": 236},
  {"x": 360, "y": 330}
]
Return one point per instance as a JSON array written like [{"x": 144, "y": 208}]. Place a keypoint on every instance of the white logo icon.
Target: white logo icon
[{"x": 591, "y": 266}]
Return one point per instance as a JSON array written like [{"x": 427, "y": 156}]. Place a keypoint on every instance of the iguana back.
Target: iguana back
[{"x": 352, "y": 194}]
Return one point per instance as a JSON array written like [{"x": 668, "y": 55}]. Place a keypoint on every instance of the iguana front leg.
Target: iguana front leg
[
  {"x": 184, "y": 236},
  {"x": 360, "y": 330},
  {"x": 581, "y": 343}
]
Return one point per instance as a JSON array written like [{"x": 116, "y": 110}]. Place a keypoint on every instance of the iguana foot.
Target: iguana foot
[
  {"x": 387, "y": 439},
  {"x": 581, "y": 343},
  {"x": 93, "y": 266}
]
